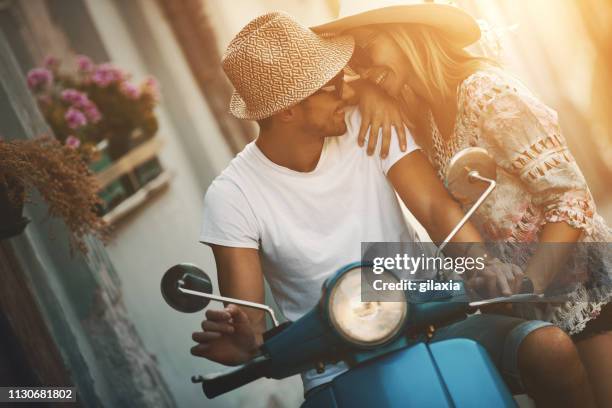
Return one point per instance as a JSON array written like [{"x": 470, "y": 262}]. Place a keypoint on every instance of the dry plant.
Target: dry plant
[{"x": 63, "y": 180}]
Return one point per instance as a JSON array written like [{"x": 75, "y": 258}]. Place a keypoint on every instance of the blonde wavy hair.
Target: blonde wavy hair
[{"x": 437, "y": 63}]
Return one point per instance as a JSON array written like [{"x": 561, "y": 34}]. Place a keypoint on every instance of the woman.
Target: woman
[{"x": 456, "y": 100}]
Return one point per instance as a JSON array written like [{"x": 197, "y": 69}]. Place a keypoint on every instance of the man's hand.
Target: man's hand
[
  {"x": 496, "y": 279},
  {"x": 227, "y": 337}
]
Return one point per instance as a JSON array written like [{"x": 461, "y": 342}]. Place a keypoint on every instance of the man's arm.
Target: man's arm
[{"x": 233, "y": 335}]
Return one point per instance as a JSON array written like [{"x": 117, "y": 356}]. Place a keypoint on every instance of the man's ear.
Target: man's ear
[{"x": 289, "y": 114}]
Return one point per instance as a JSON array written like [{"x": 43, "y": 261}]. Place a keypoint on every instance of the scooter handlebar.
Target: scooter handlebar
[{"x": 220, "y": 384}]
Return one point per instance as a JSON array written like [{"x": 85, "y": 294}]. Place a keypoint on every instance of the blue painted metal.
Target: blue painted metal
[
  {"x": 297, "y": 347},
  {"x": 407, "y": 378},
  {"x": 469, "y": 375},
  {"x": 361, "y": 356},
  {"x": 323, "y": 398},
  {"x": 411, "y": 373},
  {"x": 451, "y": 373},
  {"x": 402, "y": 373}
]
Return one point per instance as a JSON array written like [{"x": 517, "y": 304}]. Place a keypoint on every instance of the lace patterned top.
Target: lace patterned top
[{"x": 538, "y": 182}]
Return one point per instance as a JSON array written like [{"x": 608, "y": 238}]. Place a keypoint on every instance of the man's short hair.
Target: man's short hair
[{"x": 265, "y": 123}]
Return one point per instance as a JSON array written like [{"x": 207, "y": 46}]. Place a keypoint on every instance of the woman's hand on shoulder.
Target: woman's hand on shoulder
[{"x": 379, "y": 111}]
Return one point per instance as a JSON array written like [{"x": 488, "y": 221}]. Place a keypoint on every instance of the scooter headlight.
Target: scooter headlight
[{"x": 363, "y": 323}]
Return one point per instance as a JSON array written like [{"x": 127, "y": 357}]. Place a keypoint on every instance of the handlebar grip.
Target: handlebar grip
[{"x": 222, "y": 383}]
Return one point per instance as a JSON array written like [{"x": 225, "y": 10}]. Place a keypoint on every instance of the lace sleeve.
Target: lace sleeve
[{"x": 524, "y": 136}]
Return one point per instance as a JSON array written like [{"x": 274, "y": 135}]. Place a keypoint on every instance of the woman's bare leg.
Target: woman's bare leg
[
  {"x": 552, "y": 370},
  {"x": 596, "y": 355}
]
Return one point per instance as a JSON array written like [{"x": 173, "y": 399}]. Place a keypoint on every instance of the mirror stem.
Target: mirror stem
[
  {"x": 473, "y": 176},
  {"x": 230, "y": 300}
]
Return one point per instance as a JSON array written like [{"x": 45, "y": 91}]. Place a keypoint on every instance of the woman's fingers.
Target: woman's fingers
[
  {"x": 386, "y": 140},
  {"x": 365, "y": 123},
  {"x": 502, "y": 282},
  {"x": 374, "y": 130},
  {"x": 491, "y": 283},
  {"x": 475, "y": 285},
  {"x": 510, "y": 278},
  {"x": 401, "y": 134},
  {"x": 518, "y": 278},
  {"x": 503, "y": 285}
]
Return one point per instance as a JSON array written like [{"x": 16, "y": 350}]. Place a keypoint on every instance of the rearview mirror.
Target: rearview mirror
[
  {"x": 188, "y": 289},
  {"x": 186, "y": 276},
  {"x": 470, "y": 177},
  {"x": 465, "y": 173}
]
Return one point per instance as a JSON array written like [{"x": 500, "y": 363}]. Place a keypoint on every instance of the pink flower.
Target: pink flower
[
  {"x": 75, "y": 98},
  {"x": 44, "y": 99},
  {"x": 92, "y": 113},
  {"x": 129, "y": 90},
  {"x": 84, "y": 63},
  {"x": 72, "y": 142},
  {"x": 75, "y": 118},
  {"x": 50, "y": 62},
  {"x": 80, "y": 101},
  {"x": 39, "y": 77},
  {"x": 106, "y": 74}
]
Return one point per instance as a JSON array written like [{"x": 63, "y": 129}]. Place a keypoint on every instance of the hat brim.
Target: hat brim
[
  {"x": 458, "y": 26},
  {"x": 335, "y": 55}
]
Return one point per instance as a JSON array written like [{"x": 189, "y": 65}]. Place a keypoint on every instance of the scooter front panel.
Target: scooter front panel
[
  {"x": 449, "y": 373},
  {"x": 469, "y": 374},
  {"x": 404, "y": 379}
]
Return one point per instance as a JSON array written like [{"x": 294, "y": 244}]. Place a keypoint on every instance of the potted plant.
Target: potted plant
[
  {"x": 93, "y": 103},
  {"x": 63, "y": 180},
  {"x": 12, "y": 221}
]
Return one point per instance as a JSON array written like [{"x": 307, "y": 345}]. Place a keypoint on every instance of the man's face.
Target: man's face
[{"x": 323, "y": 111}]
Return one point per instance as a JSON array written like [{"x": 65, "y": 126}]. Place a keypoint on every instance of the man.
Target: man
[{"x": 296, "y": 204}]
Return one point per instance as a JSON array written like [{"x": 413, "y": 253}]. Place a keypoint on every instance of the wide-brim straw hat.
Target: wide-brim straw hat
[
  {"x": 274, "y": 62},
  {"x": 455, "y": 24}
]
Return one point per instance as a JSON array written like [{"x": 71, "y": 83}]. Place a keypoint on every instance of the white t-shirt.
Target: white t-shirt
[{"x": 307, "y": 225}]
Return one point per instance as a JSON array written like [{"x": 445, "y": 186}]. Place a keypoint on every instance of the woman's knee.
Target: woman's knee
[{"x": 550, "y": 356}]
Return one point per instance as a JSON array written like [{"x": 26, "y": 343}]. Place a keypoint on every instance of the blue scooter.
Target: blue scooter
[{"x": 386, "y": 345}]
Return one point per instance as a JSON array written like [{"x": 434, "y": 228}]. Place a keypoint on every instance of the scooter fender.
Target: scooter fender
[{"x": 450, "y": 373}]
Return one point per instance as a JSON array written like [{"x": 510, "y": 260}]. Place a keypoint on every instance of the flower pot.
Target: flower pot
[
  {"x": 113, "y": 193},
  {"x": 12, "y": 221},
  {"x": 119, "y": 145}
]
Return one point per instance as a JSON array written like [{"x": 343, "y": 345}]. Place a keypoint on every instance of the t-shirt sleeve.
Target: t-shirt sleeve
[
  {"x": 228, "y": 219},
  {"x": 395, "y": 154}
]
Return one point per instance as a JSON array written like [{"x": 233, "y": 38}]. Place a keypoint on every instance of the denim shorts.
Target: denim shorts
[{"x": 500, "y": 335}]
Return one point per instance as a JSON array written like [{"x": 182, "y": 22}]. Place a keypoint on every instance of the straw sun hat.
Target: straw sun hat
[
  {"x": 274, "y": 62},
  {"x": 457, "y": 25}
]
